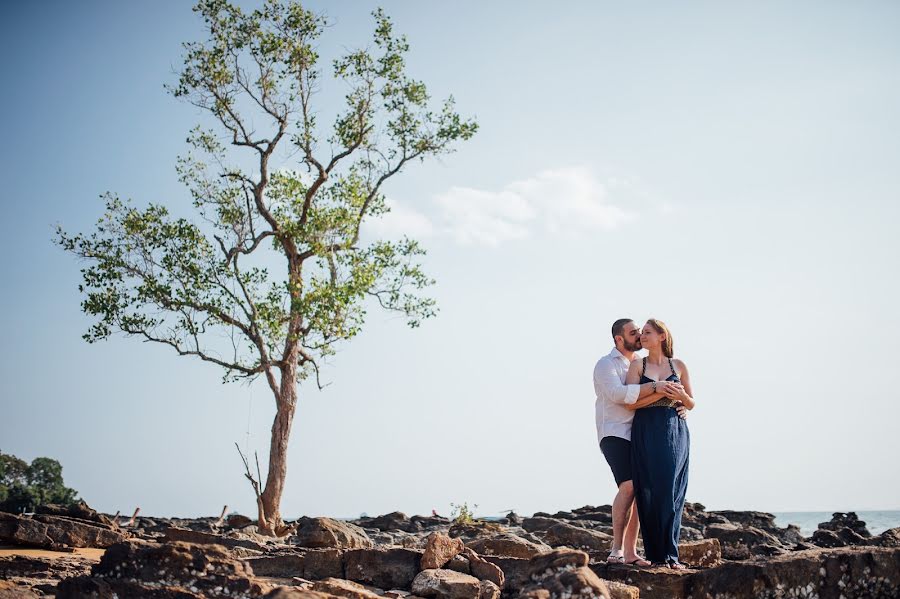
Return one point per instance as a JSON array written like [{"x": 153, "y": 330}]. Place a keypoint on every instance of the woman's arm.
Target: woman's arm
[
  {"x": 633, "y": 378},
  {"x": 685, "y": 395}
]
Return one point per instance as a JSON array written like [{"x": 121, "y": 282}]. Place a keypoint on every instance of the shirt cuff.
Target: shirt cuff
[{"x": 631, "y": 394}]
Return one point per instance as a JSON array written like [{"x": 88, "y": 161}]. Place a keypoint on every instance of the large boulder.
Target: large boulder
[
  {"x": 344, "y": 588},
  {"x": 79, "y": 510},
  {"x": 509, "y": 545},
  {"x": 567, "y": 535},
  {"x": 326, "y": 532},
  {"x": 197, "y": 537},
  {"x": 56, "y": 532},
  {"x": 483, "y": 569},
  {"x": 392, "y": 521},
  {"x": 700, "y": 554},
  {"x": 313, "y": 564},
  {"x": 561, "y": 574},
  {"x": 42, "y": 574},
  {"x": 446, "y": 584},
  {"x": 740, "y": 542},
  {"x": 142, "y": 569},
  {"x": 440, "y": 549},
  {"x": 851, "y": 573},
  {"x": 383, "y": 568},
  {"x": 846, "y": 520},
  {"x": 890, "y": 538}
]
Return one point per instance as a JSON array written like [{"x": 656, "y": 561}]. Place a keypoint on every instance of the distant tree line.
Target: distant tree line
[{"x": 24, "y": 486}]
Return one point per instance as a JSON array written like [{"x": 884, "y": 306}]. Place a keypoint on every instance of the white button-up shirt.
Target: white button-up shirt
[{"x": 613, "y": 420}]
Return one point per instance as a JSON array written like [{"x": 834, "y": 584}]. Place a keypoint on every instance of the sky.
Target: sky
[{"x": 728, "y": 168}]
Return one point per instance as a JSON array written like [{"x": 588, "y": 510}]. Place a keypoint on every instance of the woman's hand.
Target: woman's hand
[{"x": 677, "y": 392}]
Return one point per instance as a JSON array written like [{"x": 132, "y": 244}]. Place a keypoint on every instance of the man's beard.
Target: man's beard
[{"x": 636, "y": 346}]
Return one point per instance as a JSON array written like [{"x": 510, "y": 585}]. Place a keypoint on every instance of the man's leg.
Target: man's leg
[
  {"x": 631, "y": 534},
  {"x": 621, "y": 513}
]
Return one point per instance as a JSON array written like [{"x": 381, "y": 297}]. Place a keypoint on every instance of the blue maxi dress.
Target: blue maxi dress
[{"x": 660, "y": 451}]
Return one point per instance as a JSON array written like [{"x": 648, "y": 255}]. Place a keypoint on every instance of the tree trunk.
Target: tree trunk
[{"x": 286, "y": 404}]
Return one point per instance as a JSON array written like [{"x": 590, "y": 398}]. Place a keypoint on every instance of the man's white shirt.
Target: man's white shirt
[{"x": 613, "y": 420}]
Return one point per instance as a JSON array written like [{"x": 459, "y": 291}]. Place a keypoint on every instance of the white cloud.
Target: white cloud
[
  {"x": 402, "y": 220},
  {"x": 565, "y": 201}
]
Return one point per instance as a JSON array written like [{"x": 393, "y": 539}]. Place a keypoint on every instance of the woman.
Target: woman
[{"x": 660, "y": 446}]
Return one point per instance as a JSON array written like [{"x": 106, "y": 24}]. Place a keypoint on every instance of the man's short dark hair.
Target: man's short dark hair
[{"x": 618, "y": 326}]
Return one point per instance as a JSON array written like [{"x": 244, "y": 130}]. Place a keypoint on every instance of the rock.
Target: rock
[
  {"x": 538, "y": 523},
  {"x": 564, "y": 573},
  {"x": 475, "y": 530},
  {"x": 10, "y": 590},
  {"x": 237, "y": 521},
  {"x": 80, "y": 511},
  {"x": 620, "y": 590},
  {"x": 890, "y": 538},
  {"x": 329, "y": 533},
  {"x": 440, "y": 549},
  {"x": 392, "y": 521},
  {"x": 841, "y": 520},
  {"x": 700, "y": 554},
  {"x": 483, "y": 569},
  {"x": 383, "y": 568},
  {"x": 852, "y": 573},
  {"x": 459, "y": 564},
  {"x": 54, "y": 532},
  {"x": 142, "y": 569},
  {"x": 515, "y": 571},
  {"x": 186, "y": 535},
  {"x": 295, "y": 593},
  {"x": 446, "y": 584},
  {"x": 567, "y": 535},
  {"x": 556, "y": 559},
  {"x": 653, "y": 583},
  {"x": 344, "y": 588},
  {"x": 740, "y": 542},
  {"x": 513, "y": 519},
  {"x": 489, "y": 590},
  {"x": 509, "y": 545},
  {"x": 839, "y": 538},
  {"x": 42, "y": 574},
  {"x": 314, "y": 564}
]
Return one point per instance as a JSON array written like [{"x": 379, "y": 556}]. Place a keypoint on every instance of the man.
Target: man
[{"x": 614, "y": 432}]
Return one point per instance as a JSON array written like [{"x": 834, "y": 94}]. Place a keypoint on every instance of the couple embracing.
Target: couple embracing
[{"x": 641, "y": 412}]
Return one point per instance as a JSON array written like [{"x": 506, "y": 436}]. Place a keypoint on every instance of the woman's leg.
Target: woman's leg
[
  {"x": 681, "y": 438},
  {"x": 652, "y": 480}
]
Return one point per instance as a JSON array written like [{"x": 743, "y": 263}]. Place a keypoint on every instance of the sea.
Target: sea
[{"x": 876, "y": 521}]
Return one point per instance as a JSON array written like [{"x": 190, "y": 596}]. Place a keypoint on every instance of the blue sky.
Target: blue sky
[{"x": 729, "y": 168}]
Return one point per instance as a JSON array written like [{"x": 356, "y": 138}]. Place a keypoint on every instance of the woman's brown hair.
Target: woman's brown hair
[{"x": 668, "y": 346}]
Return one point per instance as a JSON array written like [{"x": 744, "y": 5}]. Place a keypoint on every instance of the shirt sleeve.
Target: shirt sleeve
[{"x": 607, "y": 381}]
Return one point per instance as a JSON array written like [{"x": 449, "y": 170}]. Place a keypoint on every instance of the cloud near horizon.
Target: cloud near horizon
[{"x": 567, "y": 201}]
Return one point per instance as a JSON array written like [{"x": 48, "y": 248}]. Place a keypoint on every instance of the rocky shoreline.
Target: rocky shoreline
[{"x": 731, "y": 555}]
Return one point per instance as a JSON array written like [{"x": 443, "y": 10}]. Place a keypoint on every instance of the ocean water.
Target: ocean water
[{"x": 876, "y": 521}]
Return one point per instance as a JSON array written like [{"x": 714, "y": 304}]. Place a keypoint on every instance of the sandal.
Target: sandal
[
  {"x": 638, "y": 562},
  {"x": 675, "y": 565},
  {"x": 615, "y": 559}
]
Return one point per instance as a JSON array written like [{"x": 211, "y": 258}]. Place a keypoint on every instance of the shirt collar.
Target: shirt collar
[{"x": 615, "y": 353}]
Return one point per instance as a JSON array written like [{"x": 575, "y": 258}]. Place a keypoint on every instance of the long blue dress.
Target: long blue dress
[{"x": 660, "y": 448}]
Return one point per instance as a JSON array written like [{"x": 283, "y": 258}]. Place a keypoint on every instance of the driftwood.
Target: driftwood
[
  {"x": 133, "y": 517},
  {"x": 221, "y": 517},
  {"x": 263, "y": 524}
]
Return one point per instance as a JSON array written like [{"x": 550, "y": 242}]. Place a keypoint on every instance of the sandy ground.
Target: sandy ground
[{"x": 92, "y": 554}]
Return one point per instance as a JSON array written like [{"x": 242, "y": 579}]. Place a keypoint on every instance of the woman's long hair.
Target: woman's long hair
[{"x": 668, "y": 346}]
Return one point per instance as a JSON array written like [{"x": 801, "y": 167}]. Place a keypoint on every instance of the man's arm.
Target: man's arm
[{"x": 606, "y": 377}]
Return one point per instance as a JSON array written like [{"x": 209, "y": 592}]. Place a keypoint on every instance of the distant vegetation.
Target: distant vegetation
[{"x": 24, "y": 486}]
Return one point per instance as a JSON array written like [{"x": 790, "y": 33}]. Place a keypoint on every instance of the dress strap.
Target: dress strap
[
  {"x": 672, "y": 366},
  {"x": 644, "y": 367}
]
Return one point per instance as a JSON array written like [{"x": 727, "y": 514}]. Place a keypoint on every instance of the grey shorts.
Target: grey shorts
[{"x": 617, "y": 452}]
